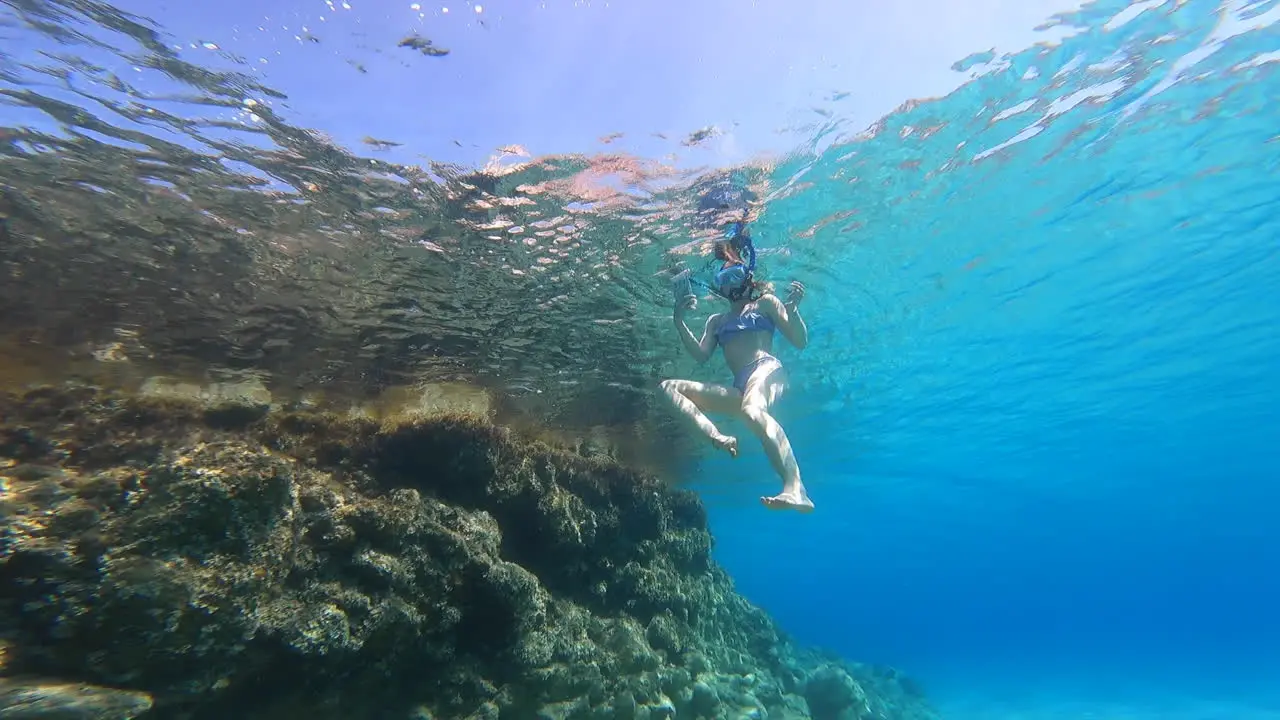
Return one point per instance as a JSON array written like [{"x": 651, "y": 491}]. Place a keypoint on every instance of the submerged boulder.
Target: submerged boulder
[
  {"x": 30, "y": 699},
  {"x": 183, "y": 563}
]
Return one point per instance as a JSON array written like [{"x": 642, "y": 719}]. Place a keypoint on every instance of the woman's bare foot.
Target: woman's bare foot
[
  {"x": 796, "y": 500},
  {"x": 728, "y": 443}
]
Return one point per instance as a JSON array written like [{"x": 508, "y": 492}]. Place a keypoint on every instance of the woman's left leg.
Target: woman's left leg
[{"x": 763, "y": 388}]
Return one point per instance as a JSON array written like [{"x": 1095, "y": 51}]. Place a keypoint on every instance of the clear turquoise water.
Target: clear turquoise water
[{"x": 1040, "y": 411}]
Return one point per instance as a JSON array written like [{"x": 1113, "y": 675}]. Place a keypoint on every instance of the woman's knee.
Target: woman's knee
[{"x": 673, "y": 388}]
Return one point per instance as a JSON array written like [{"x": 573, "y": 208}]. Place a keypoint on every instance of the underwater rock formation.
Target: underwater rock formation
[
  {"x": 42, "y": 700},
  {"x": 165, "y": 559}
]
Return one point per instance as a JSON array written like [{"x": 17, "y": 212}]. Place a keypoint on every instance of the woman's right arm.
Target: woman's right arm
[{"x": 700, "y": 349}]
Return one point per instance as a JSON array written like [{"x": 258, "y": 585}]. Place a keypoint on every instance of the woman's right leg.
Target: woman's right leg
[
  {"x": 765, "y": 386},
  {"x": 696, "y": 399}
]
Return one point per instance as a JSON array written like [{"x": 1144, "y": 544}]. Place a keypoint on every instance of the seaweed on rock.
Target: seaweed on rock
[{"x": 238, "y": 562}]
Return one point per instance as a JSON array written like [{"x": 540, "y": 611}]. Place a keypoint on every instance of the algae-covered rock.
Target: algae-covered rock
[
  {"x": 266, "y": 564},
  {"x": 30, "y": 699}
]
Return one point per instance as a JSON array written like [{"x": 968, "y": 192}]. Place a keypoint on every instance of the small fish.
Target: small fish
[
  {"x": 380, "y": 144},
  {"x": 423, "y": 45},
  {"x": 699, "y": 135}
]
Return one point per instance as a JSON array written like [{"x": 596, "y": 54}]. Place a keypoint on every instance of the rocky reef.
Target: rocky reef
[{"x": 162, "y": 558}]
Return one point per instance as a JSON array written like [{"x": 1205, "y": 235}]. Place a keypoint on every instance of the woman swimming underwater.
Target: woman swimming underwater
[{"x": 745, "y": 332}]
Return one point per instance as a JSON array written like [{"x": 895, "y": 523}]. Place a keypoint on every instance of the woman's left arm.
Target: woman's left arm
[{"x": 787, "y": 316}]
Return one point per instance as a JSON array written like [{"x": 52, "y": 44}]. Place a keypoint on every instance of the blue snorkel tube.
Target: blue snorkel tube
[{"x": 741, "y": 239}]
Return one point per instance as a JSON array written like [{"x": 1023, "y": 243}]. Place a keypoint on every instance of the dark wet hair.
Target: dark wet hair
[{"x": 726, "y": 252}]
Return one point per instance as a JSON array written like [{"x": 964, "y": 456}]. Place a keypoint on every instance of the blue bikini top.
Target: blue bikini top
[{"x": 745, "y": 322}]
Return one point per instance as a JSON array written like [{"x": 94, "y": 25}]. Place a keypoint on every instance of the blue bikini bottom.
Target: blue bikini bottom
[{"x": 742, "y": 376}]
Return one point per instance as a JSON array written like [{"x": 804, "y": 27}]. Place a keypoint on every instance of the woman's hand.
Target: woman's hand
[
  {"x": 796, "y": 295},
  {"x": 688, "y": 303}
]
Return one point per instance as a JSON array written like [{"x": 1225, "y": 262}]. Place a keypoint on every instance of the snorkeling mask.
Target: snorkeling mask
[{"x": 733, "y": 281}]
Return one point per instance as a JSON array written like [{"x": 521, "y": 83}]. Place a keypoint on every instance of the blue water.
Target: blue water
[{"x": 1040, "y": 411}]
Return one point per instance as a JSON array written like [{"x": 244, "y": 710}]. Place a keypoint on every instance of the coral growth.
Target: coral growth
[{"x": 177, "y": 560}]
